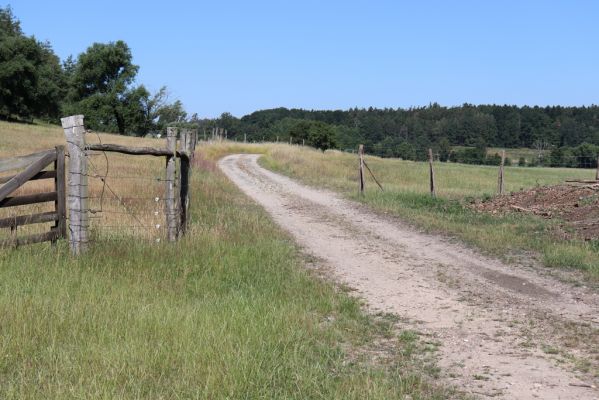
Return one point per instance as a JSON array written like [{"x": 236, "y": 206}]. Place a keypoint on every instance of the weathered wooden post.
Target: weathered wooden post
[
  {"x": 500, "y": 188},
  {"x": 245, "y": 139},
  {"x": 188, "y": 146},
  {"x": 361, "y": 155},
  {"x": 60, "y": 186},
  {"x": 172, "y": 216},
  {"x": 431, "y": 173},
  {"x": 597, "y": 170},
  {"x": 77, "y": 195}
]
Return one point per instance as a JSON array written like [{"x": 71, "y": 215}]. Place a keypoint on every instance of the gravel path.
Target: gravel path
[{"x": 505, "y": 331}]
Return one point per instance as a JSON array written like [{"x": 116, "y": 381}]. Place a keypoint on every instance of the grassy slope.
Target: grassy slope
[
  {"x": 406, "y": 195},
  {"x": 228, "y": 312}
]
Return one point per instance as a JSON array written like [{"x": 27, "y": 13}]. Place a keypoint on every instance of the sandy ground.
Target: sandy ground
[{"x": 505, "y": 331}]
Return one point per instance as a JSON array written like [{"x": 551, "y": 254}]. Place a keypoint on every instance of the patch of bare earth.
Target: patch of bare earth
[
  {"x": 576, "y": 206},
  {"x": 505, "y": 331}
]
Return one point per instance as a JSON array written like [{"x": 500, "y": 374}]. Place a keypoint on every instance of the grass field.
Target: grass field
[
  {"x": 530, "y": 155},
  {"x": 515, "y": 237},
  {"x": 228, "y": 312}
]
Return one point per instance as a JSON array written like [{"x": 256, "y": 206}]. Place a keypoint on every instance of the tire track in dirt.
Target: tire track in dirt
[{"x": 495, "y": 322}]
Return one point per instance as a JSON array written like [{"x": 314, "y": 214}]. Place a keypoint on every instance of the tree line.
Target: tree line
[
  {"x": 99, "y": 83},
  {"x": 408, "y": 133}
]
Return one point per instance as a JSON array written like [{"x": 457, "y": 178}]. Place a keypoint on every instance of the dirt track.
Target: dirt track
[{"x": 505, "y": 331}]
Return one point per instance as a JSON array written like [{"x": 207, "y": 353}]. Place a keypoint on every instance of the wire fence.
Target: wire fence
[{"x": 123, "y": 203}]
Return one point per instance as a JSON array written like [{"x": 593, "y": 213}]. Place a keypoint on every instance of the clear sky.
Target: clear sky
[{"x": 242, "y": 56}]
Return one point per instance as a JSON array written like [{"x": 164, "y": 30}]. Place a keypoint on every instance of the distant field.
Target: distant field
[
  {"x": 514, "y": 236},
  {"x": 454, "y": 181},
  {"x": 514, "y": 154}
]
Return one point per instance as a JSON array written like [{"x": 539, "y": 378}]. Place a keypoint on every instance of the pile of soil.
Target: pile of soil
[{"x": 576, "y": 206}]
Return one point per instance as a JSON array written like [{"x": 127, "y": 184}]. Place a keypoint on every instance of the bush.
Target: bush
[{"x": 522, "y": 162}]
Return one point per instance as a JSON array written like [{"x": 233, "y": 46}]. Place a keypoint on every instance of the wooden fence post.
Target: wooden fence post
[
  {"x": 170, "y": 200},
  {"x": 597, "y": 170},
  {"x": 188, "y": 146},
  {"x": 500, "y": 188},
  {"x": 431, "y": 173},
  {"x": 361, "y": 155},
  {"x": 59, "y": 184},
  {"x": 77, "y": 196},
  {"x": 245, "y": 138}
]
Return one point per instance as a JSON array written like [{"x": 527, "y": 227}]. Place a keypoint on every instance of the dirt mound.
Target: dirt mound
[{"x": 577, "y": 206}]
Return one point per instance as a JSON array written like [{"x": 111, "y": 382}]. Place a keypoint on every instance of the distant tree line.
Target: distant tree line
[
  {"x": 408, "y": 133},
  {"x": 99, "y": 83}
]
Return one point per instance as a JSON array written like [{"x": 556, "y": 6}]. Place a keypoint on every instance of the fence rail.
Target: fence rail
[{"x": 34, "y": 165}]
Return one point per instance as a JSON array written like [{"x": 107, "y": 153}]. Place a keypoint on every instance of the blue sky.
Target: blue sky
[{"x": 241, "y": 56}]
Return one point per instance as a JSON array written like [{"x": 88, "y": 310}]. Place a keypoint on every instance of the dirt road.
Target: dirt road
[{"x": 505, "y": 331}]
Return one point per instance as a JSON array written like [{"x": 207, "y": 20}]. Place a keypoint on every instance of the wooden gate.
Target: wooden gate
[{"x": 35, "y": 165}]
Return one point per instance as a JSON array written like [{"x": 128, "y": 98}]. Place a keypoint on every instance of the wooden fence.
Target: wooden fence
[
  {"x": 176, "y": 189},
  {"x": 34, "y": 169}
]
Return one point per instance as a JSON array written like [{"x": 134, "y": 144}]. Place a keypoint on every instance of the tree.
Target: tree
[
  {"x": 444, "y": 149},
  {"x": 9, "y": 24},
  {"x": 100, "y": 86},
  {"x": 541, "y": 146},
  {"x": 322, "y": 136},
  {"x": 31, "y": 77}
]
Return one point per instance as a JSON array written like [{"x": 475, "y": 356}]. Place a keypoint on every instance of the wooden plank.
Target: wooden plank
[
  {"x": 60, "y": 205},
  {"x": 28, "y": 199},
  {"x": 9, "y": 164},
  {"x": 580, "y": 181},
  {"x": 140, "y": 151},
  {"x": 28, "y": 219},
  {"x": 37, "y": 238},
  {"x": 38, "y": 176},
  {"x": 171, "y": 165},
  {"x": 21, "y": 178}
]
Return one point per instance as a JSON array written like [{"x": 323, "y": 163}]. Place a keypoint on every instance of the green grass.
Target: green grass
[
  {"x": 227, "y": 312},
  {"x": 513, "y": 154},
  {"x": 406, "y": 195}
]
